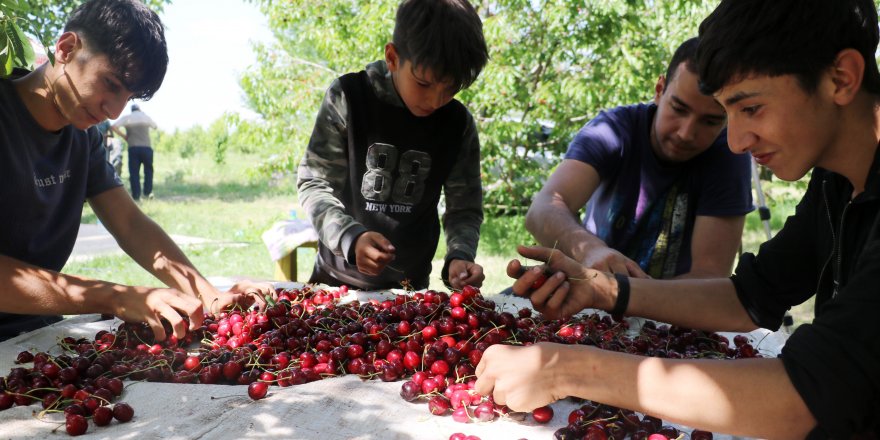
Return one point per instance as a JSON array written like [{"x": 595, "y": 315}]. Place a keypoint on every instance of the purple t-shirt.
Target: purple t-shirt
[{"x": 646, "y": 208}]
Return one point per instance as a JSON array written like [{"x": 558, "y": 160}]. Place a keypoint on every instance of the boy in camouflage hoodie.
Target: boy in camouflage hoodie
[{"x": 386, "y": 141}]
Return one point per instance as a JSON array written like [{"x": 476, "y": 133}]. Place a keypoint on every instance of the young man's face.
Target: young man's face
[
  {"x": 420, "y": 91},
  {"x": 87, "y": 89},
  {"x": 687, "y": 122},
  {"x": 785, "y": 128}
]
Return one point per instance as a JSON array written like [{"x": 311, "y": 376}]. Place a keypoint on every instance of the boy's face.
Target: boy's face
[
  {"x": 86, "y": 87},
  {"x": 785, "y": 128},
  {"x": 687, "y": 122},
  {"x": 419, "y": 90}
]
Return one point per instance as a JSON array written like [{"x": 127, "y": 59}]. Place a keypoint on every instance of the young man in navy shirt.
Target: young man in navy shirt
[{"x": 666, "y": 196}]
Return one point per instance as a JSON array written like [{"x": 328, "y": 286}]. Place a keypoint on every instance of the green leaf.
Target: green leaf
[
  {"x": 23, "y": 52},
  {"x": 5, "y": 61}
]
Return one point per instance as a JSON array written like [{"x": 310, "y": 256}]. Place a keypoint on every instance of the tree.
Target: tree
[
  {"x": 42, "y": 19},
  {"x": 554, "y": 64}
]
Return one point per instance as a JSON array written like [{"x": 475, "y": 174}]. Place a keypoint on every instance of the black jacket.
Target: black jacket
[
  {"x": 398, "y": 164},
  {"x": 829, "y": 248}
]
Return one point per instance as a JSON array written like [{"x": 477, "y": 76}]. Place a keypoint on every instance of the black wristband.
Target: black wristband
[{"x": 622, "y": 294}]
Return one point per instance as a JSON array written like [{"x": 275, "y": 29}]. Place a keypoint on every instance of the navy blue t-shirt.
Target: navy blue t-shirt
[
  {"x": 45, "y": 178},
  {"x": 646, "y": 208}
]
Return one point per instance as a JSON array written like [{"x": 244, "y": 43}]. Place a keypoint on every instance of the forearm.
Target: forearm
[
  {"x": 706, "y": 304},
  {"x": 461, "y": 223},
  {"x": 708, "y": 394},
  {"x": 326, "y": 213},
  {"x": 553, "y": 225},
  {"x": 156, "y": 252},
  {"x": 34, "y": 290}
]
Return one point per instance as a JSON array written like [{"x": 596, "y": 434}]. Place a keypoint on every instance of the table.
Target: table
[
  {"x": 283, "y": 241},
  {"x": 337, "y": 408}
]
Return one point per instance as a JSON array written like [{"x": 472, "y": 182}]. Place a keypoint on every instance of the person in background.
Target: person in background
[
  {"x": 137, "y": 127},
  {"x": 52, "y": 158},
  {"x": 386, "y": 142},
  {"x": 802, "y": 93},
  {"x": 666, "y": 196},
  {"x": 113, "y": 145}
]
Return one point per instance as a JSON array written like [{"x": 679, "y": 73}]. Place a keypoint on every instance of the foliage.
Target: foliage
[
  {"x": 227, "y": 133},
  {"x": 42, "y": 19},
  {"x": 554, "y": 64}
]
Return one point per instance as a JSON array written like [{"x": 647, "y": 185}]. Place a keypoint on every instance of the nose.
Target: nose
[
  {"x": 113, "y": 106},
  {"x": 439, "y": 98},
  {"x": 687, "y": 130},
  {"x": 739, "y": 139}
]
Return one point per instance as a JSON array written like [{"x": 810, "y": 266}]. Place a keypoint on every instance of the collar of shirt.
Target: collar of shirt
[{"x": 382, "y": 84}]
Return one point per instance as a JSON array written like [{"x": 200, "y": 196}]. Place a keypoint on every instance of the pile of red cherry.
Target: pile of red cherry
[{"x": 433, "y": 339}]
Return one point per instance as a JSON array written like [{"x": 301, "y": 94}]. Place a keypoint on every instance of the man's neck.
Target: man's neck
[
  {"x": 853, "y": 153},
  {"x": 36, "y": 92}
]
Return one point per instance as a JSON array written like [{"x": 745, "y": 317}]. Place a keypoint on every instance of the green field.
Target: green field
[{"x": 231, "y": 206}]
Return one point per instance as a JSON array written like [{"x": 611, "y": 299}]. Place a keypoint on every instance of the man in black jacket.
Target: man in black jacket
[{"x": 802, "y": 92}]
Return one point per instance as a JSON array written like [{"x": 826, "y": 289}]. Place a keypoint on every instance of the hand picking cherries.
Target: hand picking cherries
[{"x": 432, "y": 341}]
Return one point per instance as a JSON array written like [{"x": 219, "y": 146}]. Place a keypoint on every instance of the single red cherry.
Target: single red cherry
[
  {"x": 258, "y": 390},
  {"x": 123, "y": 412},
  {"x": 701, "y": 435},
  {"x": 542, "y": 278},
  {"x": 102, "y": 416},
  {"x": 543, "y": 414},
  {"x": 76, "y": 424}
]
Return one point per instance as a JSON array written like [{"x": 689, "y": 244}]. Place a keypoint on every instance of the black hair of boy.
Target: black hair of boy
[
  {"x": 685, "y": 53},
  {"x": 445, "y": 36},
  {"x": 130, "y": 35},
  {"x": 746, "y": 37}
]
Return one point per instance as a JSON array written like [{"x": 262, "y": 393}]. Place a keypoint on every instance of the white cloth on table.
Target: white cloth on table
[
  {"x": 336, "y": 408},
  {"x": 285, "y": 236}
]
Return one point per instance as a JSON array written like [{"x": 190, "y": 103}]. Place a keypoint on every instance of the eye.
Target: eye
[
  {"x": 751, "y": 110},
  {"x": 678, "y": 109},
  {"x": 111, "y": 86}
]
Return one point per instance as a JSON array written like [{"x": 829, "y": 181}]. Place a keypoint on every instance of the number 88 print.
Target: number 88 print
[{"x": 379, "y": 184}]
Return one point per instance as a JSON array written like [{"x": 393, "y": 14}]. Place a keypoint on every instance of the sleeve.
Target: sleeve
[
  {"x": 464, "y": 201},
  {"x": 322, "y": 175},
  {"x": 782, "y": 275},
  {"x": 601, "y": 143},
  {"x": 724, "y": 182},
  {"x": 120, "y": 123},
  {"x": 834, "y": 363},
  {"x": 102, "y": 176}
]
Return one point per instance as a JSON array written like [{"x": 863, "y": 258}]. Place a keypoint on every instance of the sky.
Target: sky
[{"x": 208, "y": 48}]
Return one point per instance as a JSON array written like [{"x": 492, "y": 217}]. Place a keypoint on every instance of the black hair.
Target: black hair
[
  {"x": 686, "y": 53},
  {"x": 130, "y": 35},
  {"x": 445, "y": 36},
  {"x": 781, "y": 37}
]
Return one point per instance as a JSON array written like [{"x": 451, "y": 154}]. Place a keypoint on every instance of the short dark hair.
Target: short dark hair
[
  {"x": 445, "y": 36},
  {"x": 130, "y": 35},
  {"x": 686, "y": 53},
  {"x": 781, "y": 37}
]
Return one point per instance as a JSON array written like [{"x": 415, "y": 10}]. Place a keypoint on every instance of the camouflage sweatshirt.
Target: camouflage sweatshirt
[{"x": 324, "y": 171}]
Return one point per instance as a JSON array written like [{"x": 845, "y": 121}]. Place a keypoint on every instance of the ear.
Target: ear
[
  {"x": 659, "y": 88},
  {"x": 391, "y": 57},
  {"x": 67, "y": 44},
  {"x": 847, "y": 74}
]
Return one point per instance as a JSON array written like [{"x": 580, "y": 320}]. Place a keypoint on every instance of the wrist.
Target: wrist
[
  {"x": 621, "y": 302},
  {"x": 111, "y": 301},
  {"x": 605, "y": 286},
  {"x": 574, "y": 366}
]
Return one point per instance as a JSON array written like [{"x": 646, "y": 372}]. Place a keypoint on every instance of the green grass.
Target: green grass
[
  {"x": 220, "y": 202},
  {"x": 231, "y": 207}
]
